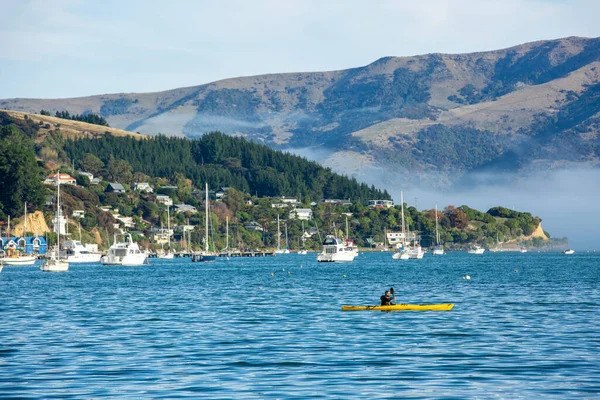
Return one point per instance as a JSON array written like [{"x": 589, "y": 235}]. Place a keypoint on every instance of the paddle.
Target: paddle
[{"x": 392, "y": 293}]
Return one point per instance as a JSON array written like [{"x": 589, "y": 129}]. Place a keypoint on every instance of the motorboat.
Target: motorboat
[
  {"x": 569, "y": 251},
  {"x": 476, "y": 249},
  {"x": 76, "y": 252},
  {"x": 124, "y": 253},
  {"x": 337, "y": 250}
]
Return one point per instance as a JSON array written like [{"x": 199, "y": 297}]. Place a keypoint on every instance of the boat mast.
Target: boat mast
[
  {"x": 206, "y": 220},
  {"x": 168, "y": 229},
  {"x": 278, "y": 234},
  {"x": 58, "y": 214},
  {"x": 227, "y": 232},
  {"x": 25, "y": 225},
  {"x": 347, "y": 231},
  {"x": 286, "y": 237},
  {"x": 437, "y": 233},
  {"x": 403, "y": 233}
]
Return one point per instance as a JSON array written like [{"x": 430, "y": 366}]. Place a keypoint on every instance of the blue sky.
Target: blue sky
[{"x": 66, "y": 48}]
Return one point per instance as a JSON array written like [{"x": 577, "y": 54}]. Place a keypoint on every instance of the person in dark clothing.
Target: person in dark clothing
[{"x": 387, "y": 299}]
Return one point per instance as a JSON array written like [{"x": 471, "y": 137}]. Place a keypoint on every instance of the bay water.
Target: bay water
[{"x": 523, "y": 326}]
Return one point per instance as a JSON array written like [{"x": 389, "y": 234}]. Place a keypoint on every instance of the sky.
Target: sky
[{"x": 69, "y": 48}]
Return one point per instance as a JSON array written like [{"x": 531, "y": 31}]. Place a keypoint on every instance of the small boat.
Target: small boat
[
  {"x": 475, "y": 249},
  {"x": 12, "y": 256},
  {"x": 401, "y": 254},
  {"x": 124, "y": 253},
  {"x": 523, "y": 249},
  {"x": 337, "y": 250},
  {"x": 302, "y": 252},
  {"x": 76, "y": 252},
  {"x": 166, "y": 255},
  {"x": 569, "y": 251},
  {"x": 55, "y": 263},
  {"x": 401, "y": 307}
]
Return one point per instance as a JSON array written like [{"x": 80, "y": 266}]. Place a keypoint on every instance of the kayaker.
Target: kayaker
[{"x": 387, "y": 299}]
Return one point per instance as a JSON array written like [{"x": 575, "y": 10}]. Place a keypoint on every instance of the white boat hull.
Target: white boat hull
[
  {"x": 438, "y": 252},
  {"x": 337, "y": 257},
  {"x": 400, "y": 256},
  {"x": 84, "y": 258},
  {"x": 476, "y": 251},
  {"x": 168, "y": 256},
  {"x": 55, "y": 266},
  {"x": 128, "y": 260},
  {"x": 19, "y": 261},
  {"x": 569, "y": 252}
]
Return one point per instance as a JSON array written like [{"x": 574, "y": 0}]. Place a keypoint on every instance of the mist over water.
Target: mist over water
[{"x": 567, "y": 200}]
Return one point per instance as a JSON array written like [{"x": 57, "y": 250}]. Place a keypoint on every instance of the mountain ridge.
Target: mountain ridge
[{"x": 436, "y": 116}]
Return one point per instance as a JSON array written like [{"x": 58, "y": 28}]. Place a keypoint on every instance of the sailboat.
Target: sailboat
[
  {"x": 167, "y": 255},
  {"x": 279, "y": 249},
  {"x": 438, "y": 250},
  {"x": 302, "y": 251},
  {"x": 205, "y": 255},
  {"x": 55, "y": 263},
  {"x": 496, "y": 248},
  {"x": 401, "y": 253},
  {"x": 13, "y": 256}
]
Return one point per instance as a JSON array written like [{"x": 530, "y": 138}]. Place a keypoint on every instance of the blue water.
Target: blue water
[{"x": 524, "y": 326}]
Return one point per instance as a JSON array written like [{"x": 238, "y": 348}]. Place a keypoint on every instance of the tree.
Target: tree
[
  {"x": 119, "y": 171},
  {"x": 20, "y": 175},
  {"x": 83, "y": 180},
  {"x": 91, "y": 163}
]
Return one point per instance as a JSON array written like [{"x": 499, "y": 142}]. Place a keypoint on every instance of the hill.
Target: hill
[{"x": 435, "y": 116}]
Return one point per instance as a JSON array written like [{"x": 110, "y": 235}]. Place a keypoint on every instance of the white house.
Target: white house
[
  {"x": 143, "y": 187},
  {"x": 185, "y": 208},
  {"x": 280, "y": 205},
  {"x": 64, "y": 179},
  {"x": 380, "y": 203},
  {"x": 78, "y": 213},
  {"x": 289, "y": 200},
  {"x": 254, "y": 226},
  {"x": 301, "y": 214},
  {"x": 164, "y": 199}
]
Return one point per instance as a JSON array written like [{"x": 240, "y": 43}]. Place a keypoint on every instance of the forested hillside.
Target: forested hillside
[{"x": 222, "y": 160}]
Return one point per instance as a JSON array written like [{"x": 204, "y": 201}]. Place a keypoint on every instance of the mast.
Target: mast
[
  {"x": 168, "y": 229},
  {"x": 227, "y": 232},
  {"x": 403, "y": 233},
  {"x": 278, "y": 234},
  {"x": 347, "y": 232},
  {"x": 58, "y": 213},
  {"x": 25, "y": 225},
  {"x": 206, "y": 220},
  {"x": 437, "y": 233},
  {"x": 286, "y": 237}
]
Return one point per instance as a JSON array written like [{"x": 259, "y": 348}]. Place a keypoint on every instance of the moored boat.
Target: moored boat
[
  {"x": 569, "y": 251},
  {"x": 56, "y": 263},
  {"x": 76, "y": 252},
  {"x": 475, "y": 249},
  {"x": 125, "y": 253},
  {"x": 205, "y": 255},
  {"x": 402, "y": 307},
  {"x": 337, "y": 250}
]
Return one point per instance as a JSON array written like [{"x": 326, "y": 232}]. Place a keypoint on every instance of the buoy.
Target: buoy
[
  {"x": 300, "y": 265},
  {"x": 289, "y": 272},
  {"x": 466, "y": 277},
  {"x": 343, "y": 276},
  {"x": 260, "y": 288},
  {"x": 516, "y": 270},
  {"x": 283, "y": 269},
  {"x": 272, "y": 274}
]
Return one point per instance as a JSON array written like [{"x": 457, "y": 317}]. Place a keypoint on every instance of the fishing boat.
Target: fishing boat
[
  {"x": 401, "y": 307},
  {"x": 56, "y": 263},
  {"x": 569, "y": 251},
  {"x": 167, "y": 255},
  {"x": 438, "y": 249},
  {"x": 12, "y": 256},
  {"x": 205, "y": 255},
  {"x": 476, "y": 249},
  {"x": 125, "y": 253}
]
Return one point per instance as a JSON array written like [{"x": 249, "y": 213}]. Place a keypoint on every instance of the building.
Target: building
[
  {"x": 301, "y": 214},
  {"x": 254, "y": 226},
  {"x": 336, "y": 202},
  {"x": 309, "y": 233},
  {"x": 143, "y": 187},
  {"x": 164, "y": 199},
  {"x": 59, "y": 223},
  {"x": 115, "y": 188},
  {"x": 29, "y": 245},
  {"x": 65, "y": 179},
  {"x": 78, "y": 213},
  {"x": 395, "y": 239},
  {"x": 93, "y": 181},
  {"x": 185, "y": 208},
  {"x": 380, "y": 203}
]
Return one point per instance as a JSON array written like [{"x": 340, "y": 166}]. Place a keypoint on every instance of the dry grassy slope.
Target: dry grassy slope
[{"x": 68, "y": 128}]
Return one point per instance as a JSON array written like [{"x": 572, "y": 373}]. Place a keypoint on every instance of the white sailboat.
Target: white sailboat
[
  {"x": 168, "y": 255},
  {"x": 438, "y": 250},
  {"x": 55, "y": 263},
  {"x": 205, "y": 255},
  {"x": 279, "y": 250},
  {"x": 401, "y": 253},
  {"x": 12, "y": 256}
]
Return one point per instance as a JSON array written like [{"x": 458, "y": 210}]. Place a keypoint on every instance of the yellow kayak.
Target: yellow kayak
[{"x": 402, "y": 307}]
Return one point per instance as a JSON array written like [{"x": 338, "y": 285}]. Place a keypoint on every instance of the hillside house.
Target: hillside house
[
  {"x": 301, "y": 214},
  {"x": 164, "y": 199},
  {"x": 254, "y": 226},
  {"x": 380, "y": 203},
  {"x": 185, "y": 208},
  {"x": 65, "y": 179},
  {"x": 143, "y": 187},
  {"x": 115, "y": 188}
]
